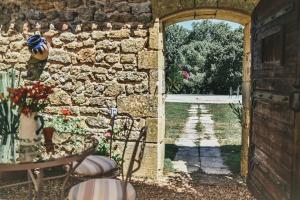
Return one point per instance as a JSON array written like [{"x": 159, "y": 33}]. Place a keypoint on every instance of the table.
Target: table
[{"x": 67, "y": 148}]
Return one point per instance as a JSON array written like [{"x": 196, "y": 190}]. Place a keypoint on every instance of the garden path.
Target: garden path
[
  {"x": 199, "y": 151},
  {"x": 210, "y": 153}
]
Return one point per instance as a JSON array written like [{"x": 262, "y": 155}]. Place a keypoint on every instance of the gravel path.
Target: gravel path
[{"x": 180, "y": 186}]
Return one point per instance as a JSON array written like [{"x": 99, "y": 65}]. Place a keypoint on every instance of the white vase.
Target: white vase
[{"x": 30, "y": 129}]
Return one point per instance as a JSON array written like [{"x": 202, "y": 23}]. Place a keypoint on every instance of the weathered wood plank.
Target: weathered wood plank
[
  {"x": 272, "y": 152},
  {"x": 280, "y": 173},
  {"x": 275, "y": 112},
  {"x": 274, "y": 138},
  {"x": 270, "y": 190}
]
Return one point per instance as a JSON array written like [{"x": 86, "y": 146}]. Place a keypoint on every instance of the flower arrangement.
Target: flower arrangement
[
  {"x": 64, "y": 123},
  {"x": 31, "y": 98}
]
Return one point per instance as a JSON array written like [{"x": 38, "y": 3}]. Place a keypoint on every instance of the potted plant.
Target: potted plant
[{"x": 30, "y": 99}]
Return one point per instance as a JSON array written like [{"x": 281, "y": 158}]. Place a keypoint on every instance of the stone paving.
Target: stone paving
[
  {"x": 187, "y": 158},
  {"x": 199, "y": 151}
]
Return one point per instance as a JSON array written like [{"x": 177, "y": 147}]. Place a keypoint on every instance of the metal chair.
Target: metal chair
[
  {"x": 113, "y": 189},
  {"x": 106, "y": 166}
]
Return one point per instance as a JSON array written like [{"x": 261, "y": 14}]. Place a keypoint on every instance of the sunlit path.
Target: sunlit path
[{"x": 210, "y": 153}]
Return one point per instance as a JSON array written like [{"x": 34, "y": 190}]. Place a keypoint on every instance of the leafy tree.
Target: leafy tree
[
  {"x": 211, "y": 53},
  {"x": 176, "y": 36}
]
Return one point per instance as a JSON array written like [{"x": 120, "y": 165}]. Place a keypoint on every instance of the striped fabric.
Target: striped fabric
[
  {"x": 101, "y": 189},
  {"x": 96, "y": 165}
]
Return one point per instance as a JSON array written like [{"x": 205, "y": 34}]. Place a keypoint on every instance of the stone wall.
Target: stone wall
[
  {"x": 102, "y": 48},
  {"x": 99, "y": 49}
]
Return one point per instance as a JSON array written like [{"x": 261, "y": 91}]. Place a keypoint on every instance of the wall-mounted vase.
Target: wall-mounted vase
[{"x": 38, "y": 46}]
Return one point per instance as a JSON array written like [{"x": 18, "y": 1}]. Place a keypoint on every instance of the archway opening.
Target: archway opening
[{"x": 246, "y": 76}]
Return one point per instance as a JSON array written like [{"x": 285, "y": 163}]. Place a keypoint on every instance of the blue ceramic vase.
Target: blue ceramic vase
[{"x": 38, "y": 47}]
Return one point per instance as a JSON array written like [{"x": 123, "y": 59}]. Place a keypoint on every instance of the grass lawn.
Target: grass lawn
[
  {"x": 228, "y": 131},
  {"x": 176, "y": 116}
]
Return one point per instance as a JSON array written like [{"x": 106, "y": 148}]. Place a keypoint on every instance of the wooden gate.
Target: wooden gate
[{"x": 274, "y": 140}]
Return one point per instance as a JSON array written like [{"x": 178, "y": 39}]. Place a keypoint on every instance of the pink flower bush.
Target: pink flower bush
[
  {"x": 108, "y": 134},
  {"x": 186, "y": 75}
]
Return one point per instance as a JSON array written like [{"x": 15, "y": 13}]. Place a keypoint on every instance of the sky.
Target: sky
[{"x": 188, "y": 24}]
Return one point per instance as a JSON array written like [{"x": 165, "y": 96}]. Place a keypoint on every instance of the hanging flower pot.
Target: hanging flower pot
[{"x": 38, "y": 47}]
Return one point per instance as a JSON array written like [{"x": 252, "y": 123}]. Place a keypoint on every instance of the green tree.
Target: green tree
[
  {"x": 211, "y": 52},
  {"x": 176, "y": 36}
]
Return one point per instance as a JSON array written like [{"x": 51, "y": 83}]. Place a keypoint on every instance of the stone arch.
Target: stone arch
[{"x": 238, "y": 11}]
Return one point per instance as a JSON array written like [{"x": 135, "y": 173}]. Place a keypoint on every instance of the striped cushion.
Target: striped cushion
[
  {"x": 95, "y": 166},
  {"x": 101, "y": 189}
]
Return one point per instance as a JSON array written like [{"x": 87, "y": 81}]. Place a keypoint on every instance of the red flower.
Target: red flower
[
  {"x": 26, "y": 111},
  {"x": 66, "y": 111},
  {"x": 30, "y": 98}
]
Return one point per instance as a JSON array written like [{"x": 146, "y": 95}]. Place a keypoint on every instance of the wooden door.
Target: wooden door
[{"x": 274, "y": 142}]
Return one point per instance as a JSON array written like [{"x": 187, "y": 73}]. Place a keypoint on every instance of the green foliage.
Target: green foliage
[
  {"x": 175, "y": 81},
  {"x": 237, "y": 109},
  {"x": 103, "y": 148},
  {"x": 63, "y": 124},
  {"x": 211, "y": 52},
  {"x": 176, "y": 116},
  {"x": 9, "y": 117},
  {"x": 104, "y": 145},
  {"x": 168, "y": 166},
  {"x": 232, "y": 157}
]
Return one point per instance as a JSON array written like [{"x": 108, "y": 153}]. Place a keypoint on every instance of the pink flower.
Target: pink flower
[
  {"x": 108, "y": 134},
  {"x": 186, "y": 75}
]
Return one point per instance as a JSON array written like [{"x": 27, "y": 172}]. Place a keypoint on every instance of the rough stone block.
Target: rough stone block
[
  {"x": 4, "y": 40},
  {"x": 147, "y": 59},
  {"x": 60, "y": 97},
  {"x": 140, "y": 33},
  {"x": 149, "y": 164},
  {"x": 97, "y": 122},
  {"x": 129, "y": 76},
  {"x": 154, "y": 36},
  {"x": 113, "y": 90},
  {"x": 107, "y": 45},
  {"x": 3, "y": 48},
  {"x": 98, "y": 35},
  {"x": 133, "y": 45},
  {"x": 153, "y": 79},
  {"x": 57, "y": 42},
  {"x": 59, "y": 55},
  {"x": 74, "y": 45},
  {"x": 119, "y": 34},
  {"x": 87, "y": 55},
  {"x": 67, "y": 37},
  {"x": 140, "y": 8},
  {"x": 138, "y": 105},
  {"x": 152, "y": 129},
  {"x": 112, "y": 58},
  {"x": 128, "y": 58}
]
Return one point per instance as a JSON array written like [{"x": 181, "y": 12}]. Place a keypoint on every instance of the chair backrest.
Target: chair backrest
[
  {"x": 122, "y": 125},
  {"x": 136, "y": 157}
]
